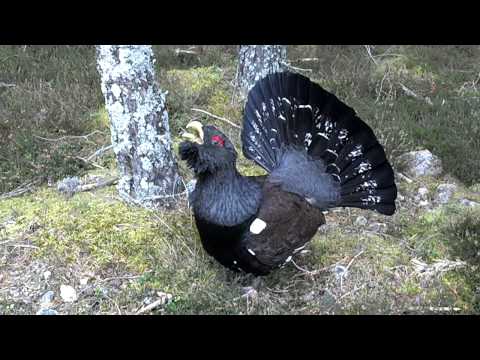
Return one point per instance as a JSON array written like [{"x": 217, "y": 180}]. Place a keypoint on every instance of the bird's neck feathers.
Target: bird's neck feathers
[{"x": 226, "y": 198}]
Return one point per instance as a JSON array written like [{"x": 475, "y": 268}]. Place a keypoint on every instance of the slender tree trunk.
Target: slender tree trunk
[
  {"x": 257, "y": 61},
  {"x": 139, "y": 125}
]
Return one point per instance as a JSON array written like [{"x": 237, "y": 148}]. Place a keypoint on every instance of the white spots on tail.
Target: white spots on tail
[
  {"x": 356, "y": 152},
  {"x": 272, "y": 105},
  {"x": 257, "y": 114},
  {"x": 370, "y": 199},
  {"x": 282, "y": 117},
  {"x": 332, "y": 152},
  {"x": 328, "y": 126},
  {"x": 251, "y": 252},
  {"x": 274, "y": 130},
  {"x": 257, "y": 226},
  {"x": 364, "y": 166},
  {"x": 305, "y": 107},
  {"x": 308, "y": 139},
  {"x": 323, "y": 135},
  {"x": 369, "y": 184},
  {"x": 342, "y": 134}
]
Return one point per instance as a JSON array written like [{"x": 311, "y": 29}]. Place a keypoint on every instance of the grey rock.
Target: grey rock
[
  {"x": 309, "y": 297},
  {"x": 46, "y": 299},
  {"x": 68, "y": 293},
  {"x": 444, "y": 193},
  {"x": 361, "y": 221},
  {"x": 378, "y": 227},
  {"x": 68, "y": 185},
  {"x": 249, "y": 292},
  {"x": 47, "y": 274},
  {"x": 469, "y": 203},
  {"x": 340, "y": 271},
  {"x": 423, "y": 203},
  {"x": 420, "y": 163},
  {"x": 47, "y": 312},
  {"x": 423, "y": 192}
]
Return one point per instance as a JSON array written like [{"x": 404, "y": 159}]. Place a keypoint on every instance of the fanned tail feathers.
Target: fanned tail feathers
[{"x": 286, "y": 112}]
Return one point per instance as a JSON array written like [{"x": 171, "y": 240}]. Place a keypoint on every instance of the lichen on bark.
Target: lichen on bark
[
  {"x": 257, "y": 61},
  {"x": 139, "y": 125}
]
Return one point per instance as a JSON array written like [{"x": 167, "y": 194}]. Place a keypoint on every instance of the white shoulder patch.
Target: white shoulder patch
[{"x": 257, "y": 226}]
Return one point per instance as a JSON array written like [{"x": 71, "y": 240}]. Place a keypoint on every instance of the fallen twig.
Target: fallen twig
[
  {"x": 23, "y": 246},
  {"x": 351, "y": 261},
  {"x": 403, "y": 177},
  {"x": 308, "y": 59},
  {"x": 164, "y": 299},
  {"x": 22, "y": 189},
  {"x": 99, "y": 152},
  {"x": 2, "y": 84},
  {"x": 409, "y": 92},
  {"x": 438, "y": 266},
  {"x": 183, "y": 51},
  {"x": 436, "y": 309},
  {"x": 217, "y": 117},
  {"x": 369, "y": 52},
  {"x": 84, "y": 137},
  {"x": 294, "y": 67},
  {"x": 351, "y": 292},
  {"x": 89, "y": 187},
  {"x": 90, "y": 162},
  {"x": 318, "y": 271}
]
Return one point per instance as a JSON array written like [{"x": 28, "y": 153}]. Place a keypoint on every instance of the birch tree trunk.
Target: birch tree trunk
[
  {"x": 139, "y": 125},
  {"x": 257, "y": 61}
]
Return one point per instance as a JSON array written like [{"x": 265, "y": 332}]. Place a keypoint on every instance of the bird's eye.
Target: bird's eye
[{"x": 217, "y": 140}]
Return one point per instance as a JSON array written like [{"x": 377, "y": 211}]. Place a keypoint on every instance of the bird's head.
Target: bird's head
[{"x": 206, "y": 149}]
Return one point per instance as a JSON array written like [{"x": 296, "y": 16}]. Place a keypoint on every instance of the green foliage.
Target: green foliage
[{"x": 56, "y": 89}]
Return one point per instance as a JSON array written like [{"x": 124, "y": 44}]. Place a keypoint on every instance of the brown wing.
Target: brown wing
[{"x": 284, "y": 224}]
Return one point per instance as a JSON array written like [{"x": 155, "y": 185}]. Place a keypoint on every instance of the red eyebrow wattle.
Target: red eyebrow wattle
[{"x": 218, "y": 139}]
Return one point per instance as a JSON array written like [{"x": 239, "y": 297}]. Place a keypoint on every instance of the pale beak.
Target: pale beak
[{"x": 197, "y": 135}]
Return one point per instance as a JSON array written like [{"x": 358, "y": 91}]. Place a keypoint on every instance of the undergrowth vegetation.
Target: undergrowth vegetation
[{"x": 52, "y": 118}]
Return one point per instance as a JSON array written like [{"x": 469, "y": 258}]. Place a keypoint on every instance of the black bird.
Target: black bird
[{"x": 318, "y": 154}]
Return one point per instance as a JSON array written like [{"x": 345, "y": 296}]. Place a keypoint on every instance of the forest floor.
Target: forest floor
[{"x": 91, "y": 253}]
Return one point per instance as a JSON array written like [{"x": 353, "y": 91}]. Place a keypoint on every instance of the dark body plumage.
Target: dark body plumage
[{"x": 318, "y": 155}]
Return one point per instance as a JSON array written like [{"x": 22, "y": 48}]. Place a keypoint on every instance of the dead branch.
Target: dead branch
[
  {"x": 93, "y": 163},
  {"x": 164, "y": 299},
  {"x": 22, "y": 246},
  {"x": 351, "y": 292},
  {"x": 369, "y": 52},
  {"x": 290, "y": 66},
  {"x": 99, "y": 152},
  {"x": 436, "y": 309},
  {"x": 308, "y": 59},
  {"x": 438, "y": 267},
  {"x": 22, "y": 189},
  {"x": 66, "y": 137},
  {"x": 403, "y": 177},
  {"x": 217, "y": 117},
  {"x": 411, "y": 93},
  {"x": 2, "y": 84},
  {"x": 351, "y": 261},
  {"x": 94, "y": 186},
  {"x": 189, "y": 51}
]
